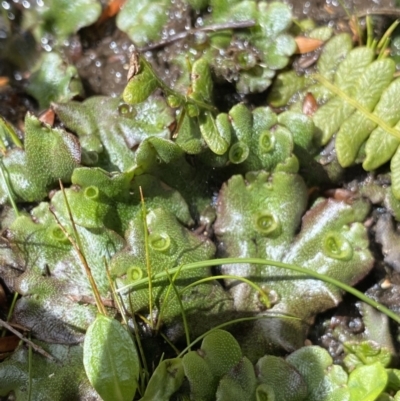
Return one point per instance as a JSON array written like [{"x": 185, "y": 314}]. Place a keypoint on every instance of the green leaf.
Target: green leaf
[
  {"x": 238, "y": 384},
  {"x": 365, "y": 353},
  {"x": 381, "y": 145},
  {"x": 395, "y": 169},
  {"x": 60, "y": 18},
  {"x": 51, "y": 380},
  {"x": 110, "y": 128},
  {"x": 165, "y": 381},
  {"x": 202, "y": 84},
  {"x": 274, "y": 18},
  {"x": 356, "y": 129},
  {"x": 220, "y": 355},
  {"x": 111, "y": 360},
  {"x": 286, "y": 382},
  {"x": 221, "y": 352},
  {"x": 201, "y": 379},
  {"x": 215, "y": 133},
  {"x": 143, "y": 20},
  {"x": 351, "y": 68},
  {"x": 189, "y": 136},
  {"x": 367, "y": 381},
  {"x": 335, "y": 50},
  {"x": 53, "y": 80},
  {"x": 7, "y": 133},
  {"x": 141, "y": 85},
  {"x": 284, "y": 87},
  {"x": 254, "y": 80},
  {"x": 325, "y": 381},
  {"x": 50, "y": 154}
]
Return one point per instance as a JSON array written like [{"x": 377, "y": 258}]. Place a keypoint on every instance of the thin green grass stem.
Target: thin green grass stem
[
  {"x": 385, "y": 39},
  {"x": 30, "y": 356},
  {"x": 164, "y": 304},
  {"x": 8, "y": 129},
  {"x": 264, "y": 296},
  {"x": 268, "y": 262},
  {"x": 10, "y": 312},
  {"x": 370, "y": 30},
  {"x": 144, "y": 372},
  {"x": 168, "y": 91},
  {"x": 79, "y": 250},
  {"x": 4, "y": 175},
  {"x": 178, "y": 296},
  {"x": 148, "y": 262}
]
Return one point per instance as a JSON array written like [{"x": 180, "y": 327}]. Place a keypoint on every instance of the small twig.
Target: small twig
[
  {"x": 78, "y": 248},
  {"x": 36, "y": 347},
  {"x": 148, "y": 262},
  {"x": 208, "y": 28},
  {"x": 389, "y": 12}
]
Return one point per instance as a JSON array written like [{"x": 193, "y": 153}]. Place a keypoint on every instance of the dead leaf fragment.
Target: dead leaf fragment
[{"x": 306, "y": 45}]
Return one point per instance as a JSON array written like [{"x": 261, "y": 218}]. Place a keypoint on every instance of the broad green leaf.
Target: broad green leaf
[
  {"x": 395, "y": 169},
  {"x": 51, "y": 380},
  {"x": 169, "y": 243},
  {"x": 110, "y": 128},
  {"x": 365, "y": 353},
  {"x": 325, "y": 381},
  {"x": 277, "y": 53},
  {"x": 165, "y": 381},
  {"x": 200, "y": 377},
  {"x": 334, "y": 52},
  {"x": 351, "y": 68},
  {"x": 356, "y": 129},
  {"x": 381, "y": 145},
  {"x": 284, "y": 87},
  {"x": 219, "y": 356},
  {"x": 258, "y": 217},
  {"x": 202, "y": 84},
  {"x": 393, "y": 380},
  {"x": 141, "y": 85},
  {"x": 221, "y": 352},
  {"x": 242, "y": 121},
  {"x": 239, "y": 384},
  {"x": 111, "y": 360},
  {"x": 53, "y": 80},
  {"x": 189, "y": 136},
  {"x": 143, "y": 20},
  {"x": 274, "y": 18},
  {"x": 217, "y": 140},
  {"x": 287, "y": 383},
  {"x": 329, "y": 117},
  {"x": 367, "y": 381},
  {"x": 323, "y": 33},
  {"x": 60, "y": 18},
  {"x": 49, "y": 155},
  {"x": 254, "y": 80}
]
